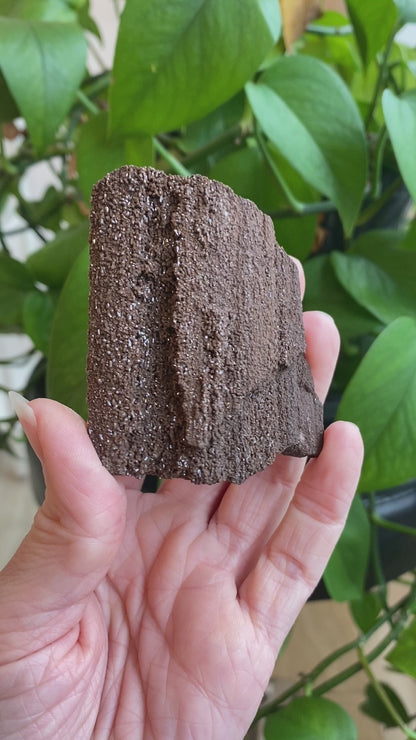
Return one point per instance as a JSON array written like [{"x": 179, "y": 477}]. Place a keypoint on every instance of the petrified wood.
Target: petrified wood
[{"x": 196, "y": 361}]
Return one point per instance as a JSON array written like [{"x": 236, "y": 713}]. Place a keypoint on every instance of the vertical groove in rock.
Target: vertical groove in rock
[{"x": 196, "y": 364}]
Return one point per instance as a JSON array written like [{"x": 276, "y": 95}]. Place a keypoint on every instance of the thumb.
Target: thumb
[{"x": 77, "y": 531}]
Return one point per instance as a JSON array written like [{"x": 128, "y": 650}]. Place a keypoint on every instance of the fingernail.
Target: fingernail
[
  {"x": 23, "y": 410},
  {"x": 326, "y": 316}
]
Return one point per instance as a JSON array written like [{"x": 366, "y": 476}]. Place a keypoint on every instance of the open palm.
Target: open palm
[{"x": 131, "y": 615}]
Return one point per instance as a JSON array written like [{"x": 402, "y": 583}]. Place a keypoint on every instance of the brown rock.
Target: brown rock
[{"x": 196, "y": 364}]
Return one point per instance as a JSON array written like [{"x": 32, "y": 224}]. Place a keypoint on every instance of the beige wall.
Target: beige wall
[{"x": 334, "y": 5}]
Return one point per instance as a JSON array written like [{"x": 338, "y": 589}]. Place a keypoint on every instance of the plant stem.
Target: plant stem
[
  {"x": 346, "y": 30},
  {"x": 176, "y": 165},
  {"x": 87, "y": 103},
  {"x": 294, "y": 202},
  {"x": 29, "y": 221},
  {"x": 308, "y": 209},
  {"x": 97, "y": 56},
  {"x": 382, "y": 695},
  {"x": 378, "y": 163},
  {"x": 404, "y": 605},
  {"x": 17, "y": 359},
  {"x": 5, "y": 248},
  {"x": 298, "y": 206},
  {"x": 378, "y": 204},
  {"x": 9, "y": 419},
  {"x": 375, "y": 551},
  {"x": 331, "y": 683},
  {"x": 94, "y": 86},
  {"x": 233, "y": 133},
  {"x": 395, "y": 526},
  {"x": 383, "y": 71},
  {"x": 17, "y": 230}
]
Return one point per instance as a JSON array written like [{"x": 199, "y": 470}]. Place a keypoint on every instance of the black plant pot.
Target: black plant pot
[
  {"x": 397, "y": 551},
  {"x": 36, "y": 388},
  {"x": 393, "y": 215}
]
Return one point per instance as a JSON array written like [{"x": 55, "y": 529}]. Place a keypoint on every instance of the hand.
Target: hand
[{"x": 130, "y": 615}]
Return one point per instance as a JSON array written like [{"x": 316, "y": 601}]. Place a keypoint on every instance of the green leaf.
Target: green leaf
[
  {"x": 373, "y": 23},
  {"x": 366, "y": 609},
  {"x": 214, "y": 124},
  {"x": 296, "y": 235},
  {"x": 38, "y": 311},
  {"x": 387, "y": 250},
  {"x": 324, "y": 293},
  {"x": 403, "y": 655},
  {"x": 51, "y": 264},
  {"x": 40, "y": 10},
  {"x": 11, "y": 306},
  {"x": 372, "y": 288},
  {"x": 43, "y": 64},
  {"x": 86, "y": 21},
  {"x": 14, "y": 274},
  {"x": 409, "y": 241},
  {"x": 346, "y": 571},
  {"x": 373, "y": 706},
  {"x": 381, "y": 399},
  {"x": 310, "y": 116},
  {"x": 310, "y": 718},
  {"x": 44, "y": 212},
  {"x": 407, "y": 10},
  {"x": 175, "y": 62},
  {"x": 339, "y": 50},
  {"x": 66, "y": 373},
  {"x": 246, "y": 172},
  {"x": 400, "y": 116},
  {"x": 15, "y": 283},
  {"x": 8, "y": 107},
  {"x": 98, "y": 154}
]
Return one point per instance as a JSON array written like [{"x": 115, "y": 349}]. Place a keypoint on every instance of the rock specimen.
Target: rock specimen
[{"x": 196, "y": 361}]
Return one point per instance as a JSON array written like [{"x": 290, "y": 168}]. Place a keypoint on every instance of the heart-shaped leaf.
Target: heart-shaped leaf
[
  {"x": 52, "y": 262},
  {"x": 176, "y": 61},
  {"x": 40, "y": 10},
  {"x": 310, "y": 116},
  {"x": 324, "y": 293},
  {"x": 387, "y": 249},
  {"x": 98, "y": 153},
  {"x": 381, "y": 399},
  {"x": 66, "y": 372},
  {"x": 15, "y": 283},
  {"x": 43, "y": 64},
  {"x": 345, "y": 573},
  {"x": 366, "y": 609},
  {"x": 372, "y": 288},
  {"x": 373, "y": 23},
  {"x": 38, "y": 311},
  {"x": 310, "y": 718},
  {"x": 403, "y": 655},
  {"x": 374, "y": 707},
  {"x": 400, "y": 115}
]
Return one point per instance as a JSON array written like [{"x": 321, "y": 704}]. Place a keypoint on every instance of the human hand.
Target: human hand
[{"x": 130, "y": 615}]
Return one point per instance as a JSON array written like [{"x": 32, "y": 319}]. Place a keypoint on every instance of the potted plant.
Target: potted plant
[{"x": 314, "y": 120}]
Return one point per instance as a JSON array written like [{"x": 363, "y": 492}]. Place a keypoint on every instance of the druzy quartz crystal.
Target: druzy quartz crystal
[{"x": 196, "y": 349}]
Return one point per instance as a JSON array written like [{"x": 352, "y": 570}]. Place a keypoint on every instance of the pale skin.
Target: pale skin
[{"x": 127, "y": 615}]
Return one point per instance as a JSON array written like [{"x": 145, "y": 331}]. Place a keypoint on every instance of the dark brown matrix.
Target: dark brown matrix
[{"x": 196, "y": 362}]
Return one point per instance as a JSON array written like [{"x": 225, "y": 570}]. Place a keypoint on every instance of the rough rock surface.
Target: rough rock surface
[{"x": 196, "y": 362}]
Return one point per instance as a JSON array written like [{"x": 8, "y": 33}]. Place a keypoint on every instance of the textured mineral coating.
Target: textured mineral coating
[{"x": 196, "y": 360}]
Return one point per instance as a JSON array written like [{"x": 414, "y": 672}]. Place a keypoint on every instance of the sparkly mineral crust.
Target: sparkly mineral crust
[{"x": 196, "y": 361}]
